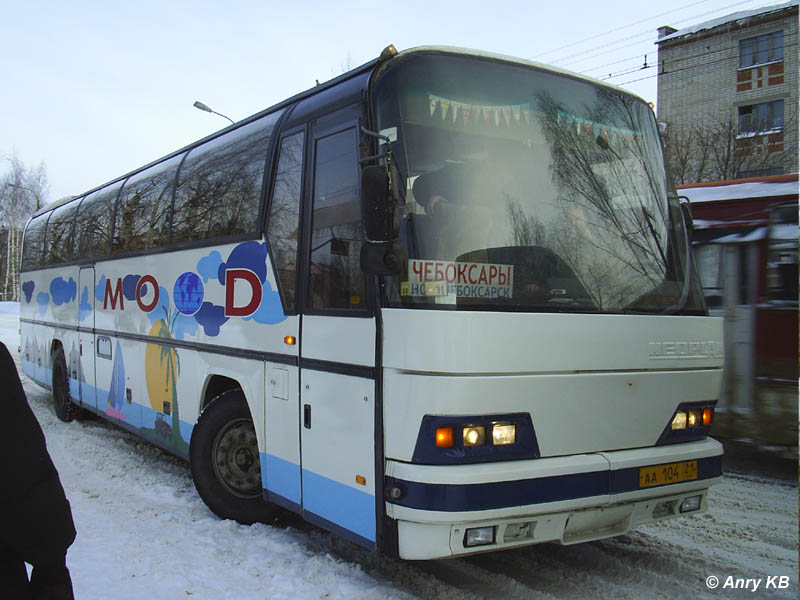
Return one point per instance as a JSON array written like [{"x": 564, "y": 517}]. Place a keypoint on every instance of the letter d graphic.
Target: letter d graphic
[{"x": 231, "y": 275}]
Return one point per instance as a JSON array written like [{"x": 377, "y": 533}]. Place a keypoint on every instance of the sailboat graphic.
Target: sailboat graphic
[{"x": 116, "y": 393}]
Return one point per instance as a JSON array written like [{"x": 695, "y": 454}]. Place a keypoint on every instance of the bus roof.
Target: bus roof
[
  {"x": 385, "y": 57},
  {"x": 517, "y": 61}
]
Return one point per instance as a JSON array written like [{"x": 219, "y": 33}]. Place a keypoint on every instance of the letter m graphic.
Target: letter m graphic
[{"x": 114, "y": 296}]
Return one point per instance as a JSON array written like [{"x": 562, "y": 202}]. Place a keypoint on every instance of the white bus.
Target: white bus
[{"x": 441, "y": 304}]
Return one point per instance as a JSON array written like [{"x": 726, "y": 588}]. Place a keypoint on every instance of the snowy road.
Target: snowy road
[{"x": 143, "y": 533}]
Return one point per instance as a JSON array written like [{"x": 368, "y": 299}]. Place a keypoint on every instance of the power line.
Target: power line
[
  {"x": 619, "y": 29},
  {"x": 677, "y": 60},
  {"x": 592, "y": 50},
  {"x": 714, "y": 62}
]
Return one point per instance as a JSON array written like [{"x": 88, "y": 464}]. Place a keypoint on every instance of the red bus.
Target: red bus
[{"x": 746, "y": 240}]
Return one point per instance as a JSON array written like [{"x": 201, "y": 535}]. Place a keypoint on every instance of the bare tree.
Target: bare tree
[
  {"x": 717, "y": 151},
  {"x": 22, "y": 191}
]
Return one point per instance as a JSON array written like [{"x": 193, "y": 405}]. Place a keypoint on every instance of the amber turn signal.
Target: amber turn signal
[
  {"x": 444, "y": 437},
  {"x": 290, "y": 340}
]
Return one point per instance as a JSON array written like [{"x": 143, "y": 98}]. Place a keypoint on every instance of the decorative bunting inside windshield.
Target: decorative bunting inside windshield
[
  {"x": 446, "y": 109},
  {"x": 593, "y": 129}
]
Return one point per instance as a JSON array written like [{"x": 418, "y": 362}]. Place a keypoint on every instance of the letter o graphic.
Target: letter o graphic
[{"x": 151, "y": 280}]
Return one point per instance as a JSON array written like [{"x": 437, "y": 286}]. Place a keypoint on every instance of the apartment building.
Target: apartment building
[{"x": 728, "y": 95}]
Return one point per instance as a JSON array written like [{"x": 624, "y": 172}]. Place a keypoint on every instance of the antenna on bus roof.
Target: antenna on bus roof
[{"x": 387, "y": 53}]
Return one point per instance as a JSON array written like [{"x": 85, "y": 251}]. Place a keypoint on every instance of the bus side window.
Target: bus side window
[
  {"x": 34, "y": 241},
  {"x": 93, "y": 225},
  {"x": 219, "y": 186},
  {"x": 142, "y": 219},
  {"x": 284, "y": 214},
  {"x": 335, "y": 277},
  {"x": 59, "y": 236}
]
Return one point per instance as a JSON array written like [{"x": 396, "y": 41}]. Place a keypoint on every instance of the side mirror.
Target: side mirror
[
  {"x": 380, "y": 258},
  {"x": 378, "y": 205}
]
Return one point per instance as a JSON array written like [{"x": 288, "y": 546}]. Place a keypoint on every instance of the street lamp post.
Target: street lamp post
[
  {"x": 27, "y": 189},
  {"x": 207, "y": 109}
]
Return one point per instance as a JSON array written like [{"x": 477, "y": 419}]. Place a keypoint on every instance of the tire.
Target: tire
[
  {"x": 65, "y": 409},
  {"x": 226, "y": 467}
]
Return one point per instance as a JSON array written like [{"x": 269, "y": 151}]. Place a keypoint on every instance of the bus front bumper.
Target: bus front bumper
[{"x": 446, "y": 511}]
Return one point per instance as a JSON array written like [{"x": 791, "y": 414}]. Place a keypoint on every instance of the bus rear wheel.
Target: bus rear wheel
[
  {"x": 225, "y": 462},
  {"x": 66, "y": 410}
]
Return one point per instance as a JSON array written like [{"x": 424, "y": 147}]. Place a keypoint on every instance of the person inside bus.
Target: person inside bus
[
  {"x": 36, "y": 525},
  {"x": 456, "y": 200}
]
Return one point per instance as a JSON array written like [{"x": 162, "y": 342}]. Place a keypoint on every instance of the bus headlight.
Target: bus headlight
[
  {"x": 679, "y": 420},
  {"x": 690, "y": 421},
  {"x": 474, "y": 436},
  {"x": 504, "y": 433},
  {"x": 460, "y": 439}
]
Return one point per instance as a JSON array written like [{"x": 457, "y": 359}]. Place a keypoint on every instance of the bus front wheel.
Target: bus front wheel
[
  {"x": 65, "y": 409},
  {"x": 225, "y": 462}
]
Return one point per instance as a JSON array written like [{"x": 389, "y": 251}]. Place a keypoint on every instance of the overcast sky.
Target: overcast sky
[{"x": 96, "y": 89}]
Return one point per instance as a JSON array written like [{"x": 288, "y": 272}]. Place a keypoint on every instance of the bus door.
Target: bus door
[
  {"x": 337, "y": 347},
  {"x": 82, "y": 370}
]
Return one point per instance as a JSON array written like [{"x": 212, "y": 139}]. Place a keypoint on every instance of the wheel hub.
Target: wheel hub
[{"x": 235, "y": 458}]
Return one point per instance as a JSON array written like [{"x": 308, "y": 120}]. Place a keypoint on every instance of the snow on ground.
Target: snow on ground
[{"x": 144, "y": 533}]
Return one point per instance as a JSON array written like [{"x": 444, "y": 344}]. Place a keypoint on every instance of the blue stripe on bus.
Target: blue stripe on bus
[
  {"x": 504, "y": 494},
  {"x": 141, "y": 419},
  {"x": 41, "y": 375},
  {"x": 347, "y": 534},
  {"x": 281, "y": 477},
  {"x": 74, "y": 388},
  {"x": 340, "y": 504}
]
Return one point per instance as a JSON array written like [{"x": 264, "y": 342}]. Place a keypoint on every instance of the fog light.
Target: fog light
[
  {"x": 517, "y": 531},
  {"x": 663, "y": 509},
  {"x": 504, "y": 434},
  {"x": 679, "y": 420},
  {"x": 474, "y": 436},
  {"x": 690, "y": 504},
  {"x": 479, "y": 536}
]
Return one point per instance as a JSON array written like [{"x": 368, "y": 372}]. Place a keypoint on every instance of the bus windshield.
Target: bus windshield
[{"x": 529, "y": 190}]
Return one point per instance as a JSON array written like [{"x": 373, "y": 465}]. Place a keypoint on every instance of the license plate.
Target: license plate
[{"x": 668, "y": 473}]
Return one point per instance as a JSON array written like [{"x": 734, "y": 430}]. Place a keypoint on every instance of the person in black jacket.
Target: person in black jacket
[{"x": 36, "y": 524}]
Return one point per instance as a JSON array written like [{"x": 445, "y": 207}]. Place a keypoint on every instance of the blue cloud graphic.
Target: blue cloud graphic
[
  {"x": 84, "y": 308},
  {"x": 42, "y": 299},
  {"x": 100, "y": 289},
  {"x": 248, "y": 255},
  {"x": 129, "y": 286},
  {"x": 62, "y": 291},
  {"x": 211, "y": 318},
  {"x": 270, "y": 311},
  {"x": 28, "y": 288},
  {"x": 208, "y": 266},
  {"x": 184, "y": 325},
  {"x": 161, "y": 311}
]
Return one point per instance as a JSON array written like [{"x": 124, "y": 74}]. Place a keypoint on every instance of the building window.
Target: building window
[
  {"x": 766, "y": 117},
  {"x": 761, "y": 49}
]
